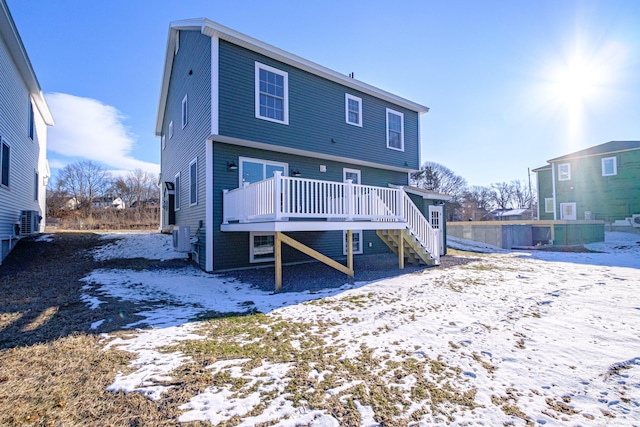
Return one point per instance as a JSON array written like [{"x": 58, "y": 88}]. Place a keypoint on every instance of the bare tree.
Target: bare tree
[
  {"x": 83, "y": 181},
  {"x": 502, "y": 195},
  {"x": 436, "y": 177},
  {"x": 138, "y": 188}
]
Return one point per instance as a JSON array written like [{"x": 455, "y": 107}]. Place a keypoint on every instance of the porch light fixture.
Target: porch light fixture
[
  {"x": 333, "y": 141},
  {"x": 170, "y": 186},
  {"x": 232, "y": 166},
  {"x": 295, "y": 172}
]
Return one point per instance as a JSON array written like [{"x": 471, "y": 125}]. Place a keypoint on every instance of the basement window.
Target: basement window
[{"x": 261, "y": 247}]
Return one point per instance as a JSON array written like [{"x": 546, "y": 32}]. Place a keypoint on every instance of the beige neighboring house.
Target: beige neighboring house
[{"x": 24, "y": 117}]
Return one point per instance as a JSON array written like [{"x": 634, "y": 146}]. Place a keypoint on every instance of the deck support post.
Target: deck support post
[
  {"x": 350, "y": 250},
  {"x": 401, "y": 249},
  {"x": 280, "y": 238},
  {"x": 278, "y": 259}
]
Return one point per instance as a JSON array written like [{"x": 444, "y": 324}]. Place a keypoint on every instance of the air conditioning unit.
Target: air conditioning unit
[
  {"x": 182, "y": 239},
  {"x": 29, "y": 223},
  {"x": 635, "y": 220}
]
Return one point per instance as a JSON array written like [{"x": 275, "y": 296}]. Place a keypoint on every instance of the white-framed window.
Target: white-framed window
[
  {"x": 32, "y": 124},
  {"x": 177, "y": 48},
  {"x": 395, "y": 130},
  {"x": 5, "y": 162},
  {"x": 254, "y": 170},
  {"x": 353, "y": 109},
  {"x": 171, "y": 129},
  {"x": 548, "y": 204},
  {"x": 185, "y": 111},
  {"x": 568, "y": 211},
  {"x": 353, "y": 174},
  {"x": 609, "y": 166},
  {"x": 177, "y": 190},
  {"x": 193, "y": 182},
  {"x": 564, "y": 172},
  {"x": 261, "y": 247},
  {"x": 356, "y": 241},
  {"x": 164, "y": 142},
  {"x": 36, "y": 186},
  {"x": 272, "y": 94}
]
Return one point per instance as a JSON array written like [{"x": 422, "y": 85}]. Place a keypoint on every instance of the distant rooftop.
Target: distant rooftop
[{"x": 607, "y": 147}]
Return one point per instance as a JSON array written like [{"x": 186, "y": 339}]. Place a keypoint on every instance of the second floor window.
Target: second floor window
[
  {"x": 32, "y": 124},
  {"x": 272, "y": 94},
  {"x": 185, "y": 112},
  {"x": 609, "y": 166},
  {"x": 564, "y": 172},
  {"x": 395, "y": 130},
  {"x": 353, "y": 108}
]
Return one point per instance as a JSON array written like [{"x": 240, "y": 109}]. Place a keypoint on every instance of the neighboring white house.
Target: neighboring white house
[{"x": 24, "y": 117}]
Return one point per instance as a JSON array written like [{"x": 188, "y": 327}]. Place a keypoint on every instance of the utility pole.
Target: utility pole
[{"x": 530, "y": 195}]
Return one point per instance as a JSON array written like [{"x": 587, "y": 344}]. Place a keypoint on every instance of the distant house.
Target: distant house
[
  {"x": 107, "y": 202},
  {"x": 24, "y": 117},
  {"x": 260, "y": 146},
  {"x": 511, "y": 214},
  {"x": 598, "y": 183}
]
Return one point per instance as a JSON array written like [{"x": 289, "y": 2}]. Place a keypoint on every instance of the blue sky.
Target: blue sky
[{"x": 510, "y": 84}]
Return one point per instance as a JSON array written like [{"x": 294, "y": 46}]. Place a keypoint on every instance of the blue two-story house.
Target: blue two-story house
[{"x": 269, "y": 157}]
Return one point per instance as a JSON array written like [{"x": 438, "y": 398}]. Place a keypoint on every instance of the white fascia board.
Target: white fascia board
[
  {"x": 424, "y": 194},
  {"x": 298, "y": 152},
  {"x": 10, "y": 34},
  {"x": 213, "y": 29}
]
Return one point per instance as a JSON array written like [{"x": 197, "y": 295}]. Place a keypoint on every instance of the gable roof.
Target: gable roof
[
  {"x": 11, "y": 37},
  {"x": 606, "y": 148},
  {"x": 213, "y": 29},
  {"x": 541, "y": 168}
]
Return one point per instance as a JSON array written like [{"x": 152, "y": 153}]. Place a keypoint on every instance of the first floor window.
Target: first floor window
[
  {"x": 564, "y": 172},
  {"x": 272, "y": 94},
  {"x": 36, "y": 187},
  {"x": 261, "y": 247},
  {"x": 548, "y": 204},
  {"x": 193, "y": 182},
  {"x": 395, "y": 130},
  {"x": 171, "y": 129},
  {"x": 177, "y": 190},
  {"x": 356, "y": 242},
  {"x": 609, "y": 166},
  {"x": 5, "y": 161}
]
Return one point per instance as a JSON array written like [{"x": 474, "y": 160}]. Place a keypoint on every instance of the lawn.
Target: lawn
[{"x": 509, "y": 338}]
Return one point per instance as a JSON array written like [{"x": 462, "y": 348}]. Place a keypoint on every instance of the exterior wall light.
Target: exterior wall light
[{"x": 232, "y": 166}]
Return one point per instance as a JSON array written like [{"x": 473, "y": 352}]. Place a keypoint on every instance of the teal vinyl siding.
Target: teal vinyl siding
[
  {"x": 231, "y": 249},
  {"x": 190, "y": 76},
  {"x": 545, "y": 191},
  {"x": 316, "y": 114},
  {"x": 608, "y": 198}
]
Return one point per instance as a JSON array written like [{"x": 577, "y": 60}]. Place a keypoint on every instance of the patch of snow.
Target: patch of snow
[
  {"x": 91, "y": 301},
  {"x": 45, "y": 238},
  {"x": 366, "y": 415},
  {"x": 96, "y": 325},
  {"x": 156, "y": 246}
]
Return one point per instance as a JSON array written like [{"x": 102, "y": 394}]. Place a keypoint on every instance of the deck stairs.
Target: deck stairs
[{"x": 414, "y": 251}]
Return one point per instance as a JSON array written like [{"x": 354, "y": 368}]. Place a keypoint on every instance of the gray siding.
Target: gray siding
[
  {"x": 316, "y": 114},
  {"x": 231, "y": 249},
  {"x": 25, "y": 152},
  {"x": 191, "y": 76}
]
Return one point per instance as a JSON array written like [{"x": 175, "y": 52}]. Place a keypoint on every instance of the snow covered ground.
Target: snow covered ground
[{"x": 546, "y": 337}]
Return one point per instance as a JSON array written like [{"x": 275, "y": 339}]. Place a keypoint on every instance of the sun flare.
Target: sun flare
[{"x": 576, "y": 81}]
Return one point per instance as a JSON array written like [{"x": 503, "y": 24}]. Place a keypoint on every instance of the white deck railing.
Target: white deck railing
[{"x": 282, "y": 198}]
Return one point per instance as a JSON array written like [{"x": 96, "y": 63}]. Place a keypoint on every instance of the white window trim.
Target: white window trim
[
  {"x": 348, "y": 97},
  {"x": 547, "y": 200},
  {"x": 252, "y": 235},
  {"x": 171, "y": 129},
  {"x": 285, "y": 102},
  {"x": 615, "y": 166},
  {"x": 177, "y": 48},
  {"x": 560, "y": 178},
  {"x": 5, "y": 142},
  {"x": 264, "y": 164},
  {"x": 389, "y": 110},
  {"x": 193, "y": 162},
  {"x": 185, "y": 111},
  {"x": 573, "y": 206},
  {"x": 345, "y": 171},
  {"x": 177, "y": 199},
  {"x": 164, "y": 142},
  {"x": 360, "y": 244}
]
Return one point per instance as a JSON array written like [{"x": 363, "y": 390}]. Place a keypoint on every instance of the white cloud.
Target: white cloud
[{"x": 91, "y": 130}]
